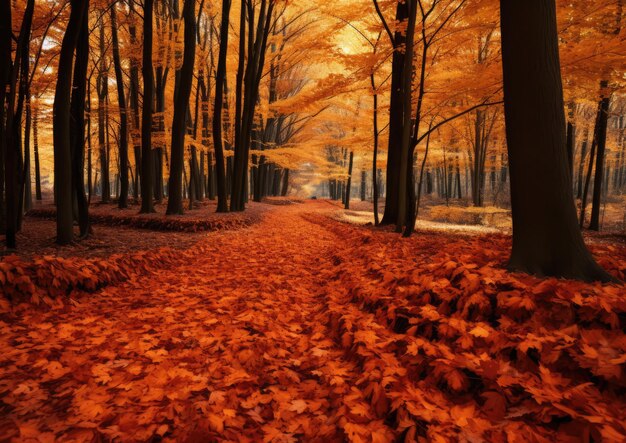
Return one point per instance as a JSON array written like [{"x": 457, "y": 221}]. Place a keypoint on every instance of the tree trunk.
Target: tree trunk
[
  {"x": 121, "y": 99},
  {"x": 220, "y": 79},
  {"x": 546, "y": 238},
  {"x": 103, "y": 88},
  {"x": 406, "y": 159},
  {"x": 38, "y": 195},
  {"x": 5, "y": 72},
  {"x": 581, "y": 166},
  {"x": 61, "y": 125},
  {"x": 77, "y": 124},
  {"x": 390, "y": 216},
  {"x": 349, "y": 184},
  {"x": 147, "y": 205},
  {"x": 600, "y": 135},
  {"x": 177, "y": 160},
  {"x": 134, "y": 101}
]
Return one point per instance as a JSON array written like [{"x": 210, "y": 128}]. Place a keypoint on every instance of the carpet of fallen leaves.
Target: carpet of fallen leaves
[{"x": 301, "y": 328}]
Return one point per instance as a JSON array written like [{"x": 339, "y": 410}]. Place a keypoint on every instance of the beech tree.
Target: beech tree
[
  {"x": 220, "y": 78},
  {"x": 121, "y": 100},
  {"x": 62, "y": 125},
  {"x": 147, "y": 204},
  {"x": 175, "y": 201},
  {"x": 546, "y": 237}
]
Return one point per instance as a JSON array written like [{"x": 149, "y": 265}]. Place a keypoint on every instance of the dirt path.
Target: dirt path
[{"x": 232, "y": 345}]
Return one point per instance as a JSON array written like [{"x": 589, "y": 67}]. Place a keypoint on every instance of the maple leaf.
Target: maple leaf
[{"x": 298, "y": 406}]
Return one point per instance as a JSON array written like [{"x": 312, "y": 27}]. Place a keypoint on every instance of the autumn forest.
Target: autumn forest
[{"x": 313, "y": 221}]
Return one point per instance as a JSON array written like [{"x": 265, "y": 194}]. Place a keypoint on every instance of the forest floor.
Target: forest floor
[{"x": 301, "y": 328}]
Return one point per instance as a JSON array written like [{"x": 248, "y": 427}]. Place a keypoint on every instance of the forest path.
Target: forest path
[{"x": 231, "y": 344}]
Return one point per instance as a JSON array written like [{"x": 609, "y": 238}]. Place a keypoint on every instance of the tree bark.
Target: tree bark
[
  {"x": 147, "y": 205},
  {"x": 77, "y": 124},
  {"x": 103, "y": 88},
  {"x": 121, "y": 99},
  {"x": 546, "y": 238},
  {"x": 390, "y": 216},
  {"x": 220, "y": 79},
  {"x": 61, "y": 126},
  {"x": 600, "y": 135},
  {"x": 134, "y": 101},
  {"x": 349, "y": 185},
  {"x": 38, "y": 195},
  {"x": 181, "y": 105}
]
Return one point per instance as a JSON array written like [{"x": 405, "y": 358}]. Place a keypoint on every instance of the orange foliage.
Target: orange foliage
[{"x": 304, "y": 329}]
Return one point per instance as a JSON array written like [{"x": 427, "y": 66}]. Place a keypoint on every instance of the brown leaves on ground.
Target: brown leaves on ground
[{"x": 304, "y": 329}]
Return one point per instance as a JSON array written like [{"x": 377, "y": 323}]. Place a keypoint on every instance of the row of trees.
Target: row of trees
[
  {"x": 243, "y": 91},
  {"x": 542, "y": 145},
  {"x": 79, "y": 44}
]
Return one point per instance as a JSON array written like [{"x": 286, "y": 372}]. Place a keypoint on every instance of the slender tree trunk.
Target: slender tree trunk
[
  {"x": 592, "y": 156},
  {"x": 603, "y": 118},
  {"x": 28, "y": 192},
  {"x": 103, "y": 88},
  {"x": 147, "y": 205},
  {"x": 581, "y": 166},
  {"x": 38, "y": 195},
  {"x": 285, "y": 188},
  {"x": 134, "y": 101},
  {"x": 349, "y": 184},
  {"x": 121, "y": 99},
  {"x": 546, "y": 237}
]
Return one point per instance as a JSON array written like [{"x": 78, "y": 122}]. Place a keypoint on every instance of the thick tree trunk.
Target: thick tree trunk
[
  {"x": 61, "y": 125},
  {"x": 220, "y": 79},
  {"x": 5, "y": 71},
  {"x": 390, "y": 216},
  {"x": 77, "y": 124},
  {"x": 406, "y": 159},
  {"x": 546, "y": 238},
  {"x": 181, "y": 105}
]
